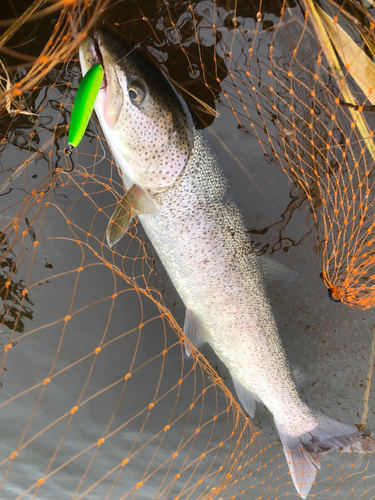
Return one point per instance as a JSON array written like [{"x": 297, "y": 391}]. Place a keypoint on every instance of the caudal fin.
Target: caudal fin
[{"x": 304, "y": 452}]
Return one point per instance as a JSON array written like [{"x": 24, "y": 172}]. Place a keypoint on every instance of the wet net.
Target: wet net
[{"x": 97, "y": 399}]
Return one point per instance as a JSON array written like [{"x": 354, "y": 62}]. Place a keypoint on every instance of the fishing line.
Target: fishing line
[
  {"x": 101, "y": 143},
  {"x": 136, "y": 46},
  {"x": 147, "y": 167}
]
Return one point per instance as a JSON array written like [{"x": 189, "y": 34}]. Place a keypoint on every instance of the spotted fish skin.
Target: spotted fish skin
[
  {"x": 158, "y": 136},
  {"x": 200, "y": 236}
]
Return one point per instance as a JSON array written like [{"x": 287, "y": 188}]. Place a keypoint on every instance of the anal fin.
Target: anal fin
[
  {"x": 246, "y": 396},
  {"x": 195, "y": 331},
  {"x": 135, "y": 201}
]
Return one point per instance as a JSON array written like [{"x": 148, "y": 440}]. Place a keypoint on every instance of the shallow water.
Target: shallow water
[{"x": 69, "y": 313}]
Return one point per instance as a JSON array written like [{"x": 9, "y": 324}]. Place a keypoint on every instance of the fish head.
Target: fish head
[{"x": 146, "y": 123}]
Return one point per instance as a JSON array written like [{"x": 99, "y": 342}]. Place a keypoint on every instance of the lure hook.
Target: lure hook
[{"x": 68, "y": 153}]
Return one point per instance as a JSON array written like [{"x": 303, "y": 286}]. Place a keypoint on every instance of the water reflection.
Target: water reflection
[{"x": 13, "y": 295}]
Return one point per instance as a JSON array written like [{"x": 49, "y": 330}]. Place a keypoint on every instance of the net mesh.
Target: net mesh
[{"x": 98, "y": 400}]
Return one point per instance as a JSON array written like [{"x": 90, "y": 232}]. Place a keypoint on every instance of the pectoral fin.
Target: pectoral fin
[
  {"x": 246, "y": 396},
  {"x": 135, "y": 201},
  {"x": 120, "y": 221},
  {"x": 141, "y": 201},
  {"x": 195, "y": 331}
]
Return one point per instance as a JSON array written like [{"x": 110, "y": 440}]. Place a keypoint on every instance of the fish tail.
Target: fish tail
[{"x": 304, "y": 452}]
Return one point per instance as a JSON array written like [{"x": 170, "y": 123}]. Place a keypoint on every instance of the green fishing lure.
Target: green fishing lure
[{"x": 84, "y": 103}]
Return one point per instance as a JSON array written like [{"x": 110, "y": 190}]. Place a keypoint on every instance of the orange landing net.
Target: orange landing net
[
  {"x": 314, "y": 120},
  {"x": 106, "y": 428}
]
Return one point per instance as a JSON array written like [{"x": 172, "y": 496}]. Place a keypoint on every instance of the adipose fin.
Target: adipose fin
[{"x": 274, "y": 271}]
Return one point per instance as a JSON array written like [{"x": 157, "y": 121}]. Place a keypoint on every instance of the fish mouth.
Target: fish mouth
[
  {"x": 101, "y": 50},
  {"x": 97, "y": 58}
]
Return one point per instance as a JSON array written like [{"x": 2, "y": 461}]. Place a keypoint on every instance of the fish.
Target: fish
[{"x": 178, "y": 189}]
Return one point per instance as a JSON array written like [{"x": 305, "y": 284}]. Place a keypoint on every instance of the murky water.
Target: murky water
[{"x": 68, "y": 313}]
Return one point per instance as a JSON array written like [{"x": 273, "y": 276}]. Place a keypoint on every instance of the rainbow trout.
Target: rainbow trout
[{"x": 179, "y": 191}]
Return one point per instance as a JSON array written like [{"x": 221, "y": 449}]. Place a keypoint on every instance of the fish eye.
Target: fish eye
[{"x": 136, "y": 93}]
